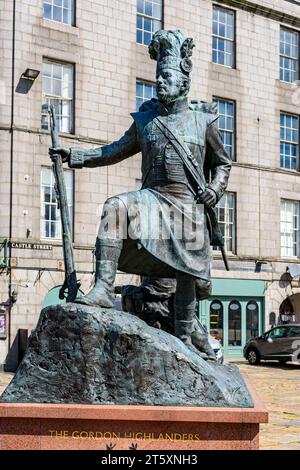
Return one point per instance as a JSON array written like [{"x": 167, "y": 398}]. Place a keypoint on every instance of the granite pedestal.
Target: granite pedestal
[{"x": 119, "y": 427}]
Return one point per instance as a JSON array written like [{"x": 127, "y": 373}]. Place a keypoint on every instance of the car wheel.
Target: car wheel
[{"x": 253, "y": 357}]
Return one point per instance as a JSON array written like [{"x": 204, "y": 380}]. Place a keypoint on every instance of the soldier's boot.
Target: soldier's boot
[
  {"x": 184, "y": 308},
  {"x": 200, "y": 340},
  {"x": 187, "y": 327},
  {"x": 184, "y": 325},
  {"x": 192, "y": 335},
  {"x": 107, "y": 256}
]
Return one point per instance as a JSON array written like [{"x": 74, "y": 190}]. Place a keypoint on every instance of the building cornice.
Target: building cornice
[
  {"x": 279, "y": 170},
  {"x": 89, "y": 140},
  {"x": 77, "y": 137},
  {"x": 261, "y": 10}
]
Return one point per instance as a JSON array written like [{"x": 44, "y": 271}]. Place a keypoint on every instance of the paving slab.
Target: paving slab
[{"x": 279, "y": 389}]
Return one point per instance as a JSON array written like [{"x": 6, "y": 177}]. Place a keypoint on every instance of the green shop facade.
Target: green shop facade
[{"x": 234, "y": 312}]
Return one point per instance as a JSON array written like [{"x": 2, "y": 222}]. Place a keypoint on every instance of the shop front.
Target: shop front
[{"x": 234, "y": 313}]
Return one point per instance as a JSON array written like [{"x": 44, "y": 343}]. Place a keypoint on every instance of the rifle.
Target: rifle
[
  {"x": 191, "y": 165},
  {"x": 70, "y": 283}
]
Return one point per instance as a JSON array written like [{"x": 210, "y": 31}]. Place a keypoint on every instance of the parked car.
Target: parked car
[
  {"x": 216, "y": 345},
  {"x": 282, "y": 344}
]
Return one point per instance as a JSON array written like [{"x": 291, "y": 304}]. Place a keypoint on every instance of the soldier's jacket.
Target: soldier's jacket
[
  {"x": 160, "y": 163},
  {"x": 166, "y": 188}
]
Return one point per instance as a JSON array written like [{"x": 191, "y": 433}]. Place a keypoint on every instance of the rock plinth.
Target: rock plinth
[{"x": 92, "y": 355}]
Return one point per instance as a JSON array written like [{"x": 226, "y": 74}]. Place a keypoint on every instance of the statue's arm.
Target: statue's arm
[
  {"x": 217, "y": 161},
  {"x": 109, "y": 154}
]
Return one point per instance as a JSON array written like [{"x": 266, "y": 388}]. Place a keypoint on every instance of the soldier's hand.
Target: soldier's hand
[
  {"x": 208, "y": 198},
  {"x": 62, "y": 151}
]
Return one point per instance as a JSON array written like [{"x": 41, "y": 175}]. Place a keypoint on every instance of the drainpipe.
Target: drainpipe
[
  {"x": 11, "y": 130},
  {"x": 259, "y": 189}
]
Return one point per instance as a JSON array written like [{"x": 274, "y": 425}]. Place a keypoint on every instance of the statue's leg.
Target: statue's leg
[
  {"x": 184, "y": 306},
  {"x": 187, "y": 326},
  {"x": 200, "y": 340},
  {"x": 108, "y": 249},
  {"x": 199, "y": 335},
  {"x": 203, "y": 289}
]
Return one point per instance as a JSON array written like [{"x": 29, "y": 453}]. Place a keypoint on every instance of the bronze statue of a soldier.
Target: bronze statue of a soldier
[{"x": 179, "y": 143}]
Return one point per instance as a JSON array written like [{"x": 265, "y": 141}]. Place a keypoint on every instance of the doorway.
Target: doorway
[
  {"x": 293, "y": 302},
  {"x": 233, "y": 321},
  {"x": 234, "y": 312}
]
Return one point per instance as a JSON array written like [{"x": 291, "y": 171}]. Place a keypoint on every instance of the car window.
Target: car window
[
  {"x": 293, "y": 331},
  {"x": 277, "y": 333}
]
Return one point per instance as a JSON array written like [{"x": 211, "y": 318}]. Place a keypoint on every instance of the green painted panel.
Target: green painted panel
[
  {"x": 238, "y": 287},
  {"x": 231, "y": 351},
  {"x": 52, "y": 297}
]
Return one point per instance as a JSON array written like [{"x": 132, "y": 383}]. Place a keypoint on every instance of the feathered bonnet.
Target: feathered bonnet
[{"x": 172, "y": 51}]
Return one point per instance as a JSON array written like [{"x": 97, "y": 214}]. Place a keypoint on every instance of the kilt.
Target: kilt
[{"x": 166, "y": 232}]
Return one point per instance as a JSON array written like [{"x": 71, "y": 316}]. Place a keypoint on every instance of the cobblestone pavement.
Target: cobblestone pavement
[
  {"x": 5, "y": 378},
  {"x": 279, "y": 389}
]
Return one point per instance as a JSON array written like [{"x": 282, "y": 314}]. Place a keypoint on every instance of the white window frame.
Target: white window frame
[
  {"x": 155, "y": 22},
  {"x": 285, "y": 132},
  {"x": 289, "y": 228},
  {"x": 293, "y": 73},
  {"x": 229, "y": 223},
  {"x": 144, "y": 96},
  {"x": 225, "y": 130},
  {"x": 53, "y": 204},
  {"x": 65, "y": 8},
  {"x": 228, "y": 41},
  {"x": 60, "y": 101}
]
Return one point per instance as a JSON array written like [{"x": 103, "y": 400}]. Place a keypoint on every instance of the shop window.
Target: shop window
[
  {"x": 216, "y": 320},
  {"x": 286, "y": 312},
  {"x": 252, "y": 320},
  {"x": 235, "y": 324}
]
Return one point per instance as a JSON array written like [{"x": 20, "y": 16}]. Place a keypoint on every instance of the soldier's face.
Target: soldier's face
[{"x": 169, "y": 85}]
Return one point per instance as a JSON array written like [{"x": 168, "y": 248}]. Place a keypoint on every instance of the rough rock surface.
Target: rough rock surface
[{"x": 81, "y": 354}]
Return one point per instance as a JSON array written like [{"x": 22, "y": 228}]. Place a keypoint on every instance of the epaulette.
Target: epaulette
[
  {"x": 206, "y": 110},
  {"x": 149, "y": 105},
  {"x": 209, "y": 107}
]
